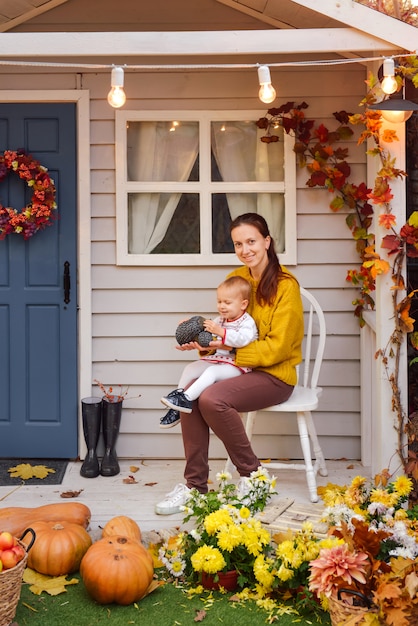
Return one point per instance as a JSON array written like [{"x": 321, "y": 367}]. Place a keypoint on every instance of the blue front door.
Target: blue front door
[{"x": 38, "y": 328}]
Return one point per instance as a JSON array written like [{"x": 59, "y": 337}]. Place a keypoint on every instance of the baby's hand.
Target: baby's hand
[{"x": 213, "y": 328}]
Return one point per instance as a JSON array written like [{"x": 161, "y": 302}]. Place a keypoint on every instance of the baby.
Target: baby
[{"x": 235, "y": 328}]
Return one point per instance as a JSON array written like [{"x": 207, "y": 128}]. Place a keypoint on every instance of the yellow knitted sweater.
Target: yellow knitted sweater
[{"x": 278, "y": 348}]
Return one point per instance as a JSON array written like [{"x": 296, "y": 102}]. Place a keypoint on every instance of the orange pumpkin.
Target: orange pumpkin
[
  {"x": 117, "y": 569},
  {"x": 122, "y": 526},
  {"x": 58, "y": 548},
  {"x": 16, "y": 519}
]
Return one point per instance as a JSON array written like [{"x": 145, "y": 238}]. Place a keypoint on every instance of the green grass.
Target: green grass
[{"x": 169, "y": 605}]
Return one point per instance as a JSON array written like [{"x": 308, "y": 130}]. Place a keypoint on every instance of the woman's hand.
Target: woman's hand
[
  {"x": 217, "y": 343},
  {"x": 192, "y": 345}
]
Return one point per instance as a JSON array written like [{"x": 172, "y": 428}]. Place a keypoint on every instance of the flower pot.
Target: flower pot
[{"x": 227, "y": 580}]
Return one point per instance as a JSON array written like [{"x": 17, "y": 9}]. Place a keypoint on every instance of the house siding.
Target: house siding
[{"x": 136, "y": 309}]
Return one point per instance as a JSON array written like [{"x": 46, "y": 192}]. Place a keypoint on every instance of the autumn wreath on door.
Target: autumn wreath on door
[{"x": 41, "y": 209}]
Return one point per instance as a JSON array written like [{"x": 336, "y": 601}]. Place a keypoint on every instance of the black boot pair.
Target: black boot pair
[{"x": 94, "y": 411}]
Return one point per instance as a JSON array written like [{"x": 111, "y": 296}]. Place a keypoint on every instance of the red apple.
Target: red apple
[
  {"x": 6, "y": 540},
  {"x": 1, "y": 565},
  {"x": 19, "y": 552},
  {"x": 9, "y": 559}
]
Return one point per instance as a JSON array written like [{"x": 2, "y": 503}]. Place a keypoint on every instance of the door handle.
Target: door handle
[{"x": 67, "y": 282}]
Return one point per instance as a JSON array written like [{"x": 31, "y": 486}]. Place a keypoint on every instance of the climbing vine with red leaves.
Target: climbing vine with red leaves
[{"x": 319, "y": 151}]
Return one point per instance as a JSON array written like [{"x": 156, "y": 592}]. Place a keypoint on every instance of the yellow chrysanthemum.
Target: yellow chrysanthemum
[
  {"x": 284, "y": 551},
  {"x": 284, "y": 573},
  {"x": 297, "y": 558},
  {"x": 333, "y": 496},
  {"x": 208, "y": 559},
  {"x": 403, "y": 486},
  {"x": 229, "y": 537},
  {"x": 215, "y": 520},
  {"x": 244, "y": 512},
  {"x": 358, "y": 482},
  {"x": 262, "y": 572},
  {"x": 311, "y": 551},
  {"x": 400, "y": 515},
  {"x": 255, "y": 537},
  {"x": 330, "y": 542},
  {"x": 383, "y": 497}
]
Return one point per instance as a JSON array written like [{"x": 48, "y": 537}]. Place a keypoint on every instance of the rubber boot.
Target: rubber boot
[
  {"x": 91, "y": 409},
  {"x": 112, "y": 412}
]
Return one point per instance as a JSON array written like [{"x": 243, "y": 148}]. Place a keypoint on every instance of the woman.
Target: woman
[{"x": 276, "y": 307}]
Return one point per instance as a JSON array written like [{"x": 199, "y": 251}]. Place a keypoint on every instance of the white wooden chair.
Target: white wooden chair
[{"x": 304, "y": 398}]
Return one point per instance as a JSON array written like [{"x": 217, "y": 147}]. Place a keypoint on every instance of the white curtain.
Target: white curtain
[
  {"x": 157, "y": 154},
  {"x": 242, "y": 156}
]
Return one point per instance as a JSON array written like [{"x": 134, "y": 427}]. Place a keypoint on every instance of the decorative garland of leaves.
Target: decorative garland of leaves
[
  {"x": 39, "y": 212},
  {"x": 317, "y": 150}
]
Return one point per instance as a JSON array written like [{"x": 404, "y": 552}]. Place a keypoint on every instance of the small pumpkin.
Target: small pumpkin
[
  {"x": 122, "y": 526},
  {"x": 58, "y": 547},
  {"x": 117, "y": 569}
]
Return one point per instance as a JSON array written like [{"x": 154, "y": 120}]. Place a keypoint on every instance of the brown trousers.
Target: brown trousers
[{"x": 218, "y": 409}]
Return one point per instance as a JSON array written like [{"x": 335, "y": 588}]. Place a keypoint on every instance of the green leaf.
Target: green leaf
[
  {"x": 337, "y": 203},
  {"x": 345, "y": 132}
]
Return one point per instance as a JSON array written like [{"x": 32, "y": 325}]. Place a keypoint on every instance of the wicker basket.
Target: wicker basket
[
  {"x": 341, "y": 611},
  {"x": 11, "y": 584}
]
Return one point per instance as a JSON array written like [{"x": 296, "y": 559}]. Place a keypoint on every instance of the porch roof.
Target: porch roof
[{"x": 281, "y": 30}]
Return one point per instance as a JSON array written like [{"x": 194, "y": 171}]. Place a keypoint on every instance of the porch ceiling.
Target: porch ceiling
[
  {"x": 283, "y": 13},
  {"x": 312, "y": 14},
  {"x": 15, "y": 12}
]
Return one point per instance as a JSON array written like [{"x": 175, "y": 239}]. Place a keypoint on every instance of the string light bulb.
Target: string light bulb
[
  {"x": 267, "y": 92},
  {"x": 116, "y": 96},
  {"x": 389, "y": 83}
]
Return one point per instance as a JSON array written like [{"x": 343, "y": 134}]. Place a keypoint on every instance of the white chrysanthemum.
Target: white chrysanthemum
[
  {"x": 404, "y": 552},
  {"x": 176, "y": 567},
  {"x": 334, "y": 515},
  {"x": 377, "y": 508},
  {"x": 224, "y": 477},
  {"x": 195, "y": 534}
]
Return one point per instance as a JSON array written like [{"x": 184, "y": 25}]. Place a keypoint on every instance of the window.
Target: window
[{"x": 182, "y": 177}]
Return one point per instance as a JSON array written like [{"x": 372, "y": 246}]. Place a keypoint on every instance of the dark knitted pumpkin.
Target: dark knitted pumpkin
[
  {"x": 189, "y": 330},
  {"x": 204, "y": 338}
]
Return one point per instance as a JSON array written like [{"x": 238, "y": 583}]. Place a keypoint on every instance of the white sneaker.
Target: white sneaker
[
  {"x": 243, "y": 487},
  {"x": 173, "y": 501}
]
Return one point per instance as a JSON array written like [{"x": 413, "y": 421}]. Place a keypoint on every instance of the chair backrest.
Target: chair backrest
[{"x": 314, "y": 343}]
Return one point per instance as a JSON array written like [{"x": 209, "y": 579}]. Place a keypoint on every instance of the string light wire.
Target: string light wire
[{"x": 199, "y": 66}]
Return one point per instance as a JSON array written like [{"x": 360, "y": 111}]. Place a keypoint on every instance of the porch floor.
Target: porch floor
[{"x": 108, "y": 497}]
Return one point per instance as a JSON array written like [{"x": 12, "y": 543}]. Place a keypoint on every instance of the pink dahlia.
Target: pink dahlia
[{"x": 335, "y": 568}]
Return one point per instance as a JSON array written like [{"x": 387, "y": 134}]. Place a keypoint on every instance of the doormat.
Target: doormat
[{"x": 52, "y": 478}]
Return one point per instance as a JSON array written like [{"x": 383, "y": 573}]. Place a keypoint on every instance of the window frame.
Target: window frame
[{"x": 205, "y": 187}]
